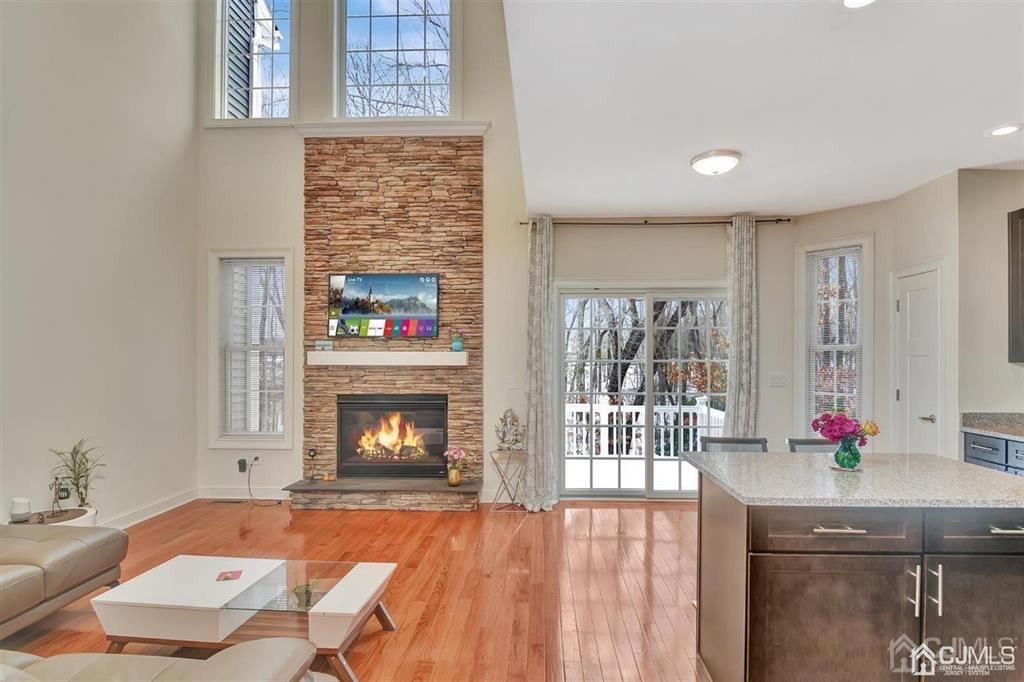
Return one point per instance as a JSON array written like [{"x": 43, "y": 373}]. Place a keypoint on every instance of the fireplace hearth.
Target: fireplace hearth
[{"x": 392, "y": 435}]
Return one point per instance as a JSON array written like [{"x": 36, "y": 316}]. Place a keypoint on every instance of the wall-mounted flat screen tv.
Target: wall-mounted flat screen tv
[{"x": 382, "y": 305}]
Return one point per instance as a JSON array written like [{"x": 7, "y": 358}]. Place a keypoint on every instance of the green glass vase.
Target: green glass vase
[{"x": 848, "y": 454}]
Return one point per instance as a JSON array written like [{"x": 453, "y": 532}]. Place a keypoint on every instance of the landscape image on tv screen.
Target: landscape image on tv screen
[{"x": 382, "y": 305}]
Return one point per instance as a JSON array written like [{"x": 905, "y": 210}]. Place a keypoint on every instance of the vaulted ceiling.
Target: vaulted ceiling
[{"x": 829, "y": 106}]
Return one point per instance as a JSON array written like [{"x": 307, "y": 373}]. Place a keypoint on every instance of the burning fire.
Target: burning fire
[{"x": 394, "y": 438}]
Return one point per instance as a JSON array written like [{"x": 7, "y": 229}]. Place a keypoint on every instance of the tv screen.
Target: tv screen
[{"x": 382, "y": 305}]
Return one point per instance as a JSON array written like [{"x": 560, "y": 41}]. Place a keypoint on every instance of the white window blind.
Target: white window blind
[
  {"x": 252, "y": 295},
  {"x": 835, "y": 353}
]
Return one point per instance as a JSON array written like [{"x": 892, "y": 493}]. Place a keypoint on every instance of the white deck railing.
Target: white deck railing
[{"x": 675, "y": 429}]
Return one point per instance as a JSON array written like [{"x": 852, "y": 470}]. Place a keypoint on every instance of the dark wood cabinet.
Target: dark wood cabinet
[
  {"x": 1016, "y": 249},
  {"x": 974, "y": 598},
  {"x": 835, "y": 529},
  {"x": 793, "y": 594},
  {"x": 850, "y": 606},
  {"x": 974, "y": 531}
]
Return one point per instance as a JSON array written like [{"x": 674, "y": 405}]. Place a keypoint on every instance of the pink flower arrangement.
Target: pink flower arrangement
[
  {"x": 456, "y": 458},
  {"x": 837, "y": 426}
]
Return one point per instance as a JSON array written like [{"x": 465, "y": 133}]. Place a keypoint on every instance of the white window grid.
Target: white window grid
[
  {"x": 601, "y": 435},
  {"x": 398, "y": 58},
  {"x": 844, "y": 396},
  {"x": 269, "y": 89}
]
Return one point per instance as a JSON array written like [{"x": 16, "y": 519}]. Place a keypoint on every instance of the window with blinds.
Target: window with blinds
[
  {"x": 835, "y": 353},
  {"x": 252, "y": 309}
]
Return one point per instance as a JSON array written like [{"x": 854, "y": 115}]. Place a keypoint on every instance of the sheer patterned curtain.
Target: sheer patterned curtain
[
  {"x": 741, "y": 390},
  {"x": 540, "y": 476}
]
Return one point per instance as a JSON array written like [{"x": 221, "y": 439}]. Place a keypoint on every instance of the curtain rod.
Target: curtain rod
[{"x": 648, "y": 223}]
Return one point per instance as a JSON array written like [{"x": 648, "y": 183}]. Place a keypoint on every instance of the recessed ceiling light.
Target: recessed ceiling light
[
  {"x": 716, "y": 161},
  {"x": 1008, "y": 129},
  {"x": 857, "y": 4}
]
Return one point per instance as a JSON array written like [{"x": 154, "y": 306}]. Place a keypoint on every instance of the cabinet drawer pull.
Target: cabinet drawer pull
[
  {"x": 996, "y": 530},
  {"x": 937, "y": 600},
  {"x": 984, "y": 448},
  {"x": 845, "y": 530},
  {"x": 916, "y": 601}
]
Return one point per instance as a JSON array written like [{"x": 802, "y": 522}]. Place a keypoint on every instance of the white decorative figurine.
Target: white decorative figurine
[{"x": 510, "y": 432}]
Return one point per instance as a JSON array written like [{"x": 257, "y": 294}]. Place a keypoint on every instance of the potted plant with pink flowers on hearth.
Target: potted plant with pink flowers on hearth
[
  {"x": 456, "y": 460},
  {"x": 849, "y": 433}
]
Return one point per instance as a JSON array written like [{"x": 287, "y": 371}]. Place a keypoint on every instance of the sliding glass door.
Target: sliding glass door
[
  {"x": 604, "y": 399},
  {"x": 644, "y": 378}
]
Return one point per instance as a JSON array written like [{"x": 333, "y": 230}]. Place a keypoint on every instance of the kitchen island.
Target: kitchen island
[{"x": 808, "y": 573}]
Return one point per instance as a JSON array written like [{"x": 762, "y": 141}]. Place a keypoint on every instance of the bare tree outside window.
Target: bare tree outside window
[
  {"x": 398, "y": 58},
  {"x": 835, "y": 351},
  {"x": 609, "y": 385}
]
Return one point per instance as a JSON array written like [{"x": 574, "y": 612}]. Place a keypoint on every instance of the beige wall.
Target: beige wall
[
  {"x": 98, "y": 283},
  {"x": 914, "y": 228},
  {"x": 251, "y": 198},
  {"x": 988, "y": 381},
  {"x": 629, "y": 253}
]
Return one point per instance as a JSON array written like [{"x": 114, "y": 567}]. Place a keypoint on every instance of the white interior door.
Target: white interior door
[{"x": 917, "y": 363}]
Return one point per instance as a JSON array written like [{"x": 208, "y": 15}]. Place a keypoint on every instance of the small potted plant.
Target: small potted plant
[
  {"x": 849, "y": 433},
  {"x": 76, "y": 468},
  {"x": 456, "y": 460},
  {"x": 457, "y": 335}
]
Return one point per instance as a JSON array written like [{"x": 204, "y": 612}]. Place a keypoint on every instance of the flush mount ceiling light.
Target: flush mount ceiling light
[
  {"x": 857, "y": 4},
  {"x": 1008, "y": 129},
  {"x": 716, "y": 161}
]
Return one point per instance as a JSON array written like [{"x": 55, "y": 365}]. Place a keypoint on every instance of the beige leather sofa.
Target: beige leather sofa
[
  {"x": 279, "y": 659},
  {"x": 43, "y": 568}
]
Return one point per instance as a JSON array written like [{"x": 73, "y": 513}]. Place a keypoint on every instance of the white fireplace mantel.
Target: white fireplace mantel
[{"x": 393, "y": 358}]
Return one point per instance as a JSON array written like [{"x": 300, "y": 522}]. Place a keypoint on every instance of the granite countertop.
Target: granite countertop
[
  {"x": 1008, "y": 425},
  {"x": 886, "y": 480}
]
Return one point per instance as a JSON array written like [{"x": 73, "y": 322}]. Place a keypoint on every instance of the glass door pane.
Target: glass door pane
[
  {"x": 604, "y": 393},
  {"x": 644, "y": 381},
  {"x": 689, "y": 338}
]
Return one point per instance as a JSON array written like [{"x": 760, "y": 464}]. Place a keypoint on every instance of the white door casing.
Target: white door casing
[{"x": 917, "y": 362}]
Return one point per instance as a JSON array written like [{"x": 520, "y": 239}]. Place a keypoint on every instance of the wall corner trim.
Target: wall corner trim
[{"x": 397, "y": 128}]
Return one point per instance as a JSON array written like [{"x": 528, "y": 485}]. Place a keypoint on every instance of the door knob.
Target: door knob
[{"x": 930, "y": 419}]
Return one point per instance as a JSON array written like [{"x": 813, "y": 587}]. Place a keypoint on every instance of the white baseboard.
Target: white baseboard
[
  {"x": 148, "y": 511},
  {"x": 241, "y": 492}
]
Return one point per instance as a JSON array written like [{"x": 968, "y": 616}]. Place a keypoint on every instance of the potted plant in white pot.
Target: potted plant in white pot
[{"x": 77, "y": 466}]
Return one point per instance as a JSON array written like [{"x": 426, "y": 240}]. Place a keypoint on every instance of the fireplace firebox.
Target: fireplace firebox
[{"x": 392, "y": 435}]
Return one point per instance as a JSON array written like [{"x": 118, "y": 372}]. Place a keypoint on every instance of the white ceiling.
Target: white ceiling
[{"x": 829, "y": 106}]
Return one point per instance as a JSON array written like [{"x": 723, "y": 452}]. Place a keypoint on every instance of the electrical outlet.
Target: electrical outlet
[
  {"x": 242, "y": 465},
  {"x": 777, "y": 381}
]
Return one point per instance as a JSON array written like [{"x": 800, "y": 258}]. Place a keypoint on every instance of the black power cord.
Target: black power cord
[{"x": 252, "y": 498}]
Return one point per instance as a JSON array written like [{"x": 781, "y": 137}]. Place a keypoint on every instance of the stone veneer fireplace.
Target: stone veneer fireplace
[
  {"x": 394, "y": 204},
  {"x": 392, "y": 435}
]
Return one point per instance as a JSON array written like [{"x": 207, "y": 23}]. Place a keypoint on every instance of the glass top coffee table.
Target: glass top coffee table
[{"x": 215, "y": 602}]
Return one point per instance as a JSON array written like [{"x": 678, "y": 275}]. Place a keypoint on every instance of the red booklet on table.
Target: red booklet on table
[{"x": 228, "y": 575}]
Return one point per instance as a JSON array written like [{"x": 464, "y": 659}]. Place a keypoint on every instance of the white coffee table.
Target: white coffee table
[{"x": 181, "y": 602}]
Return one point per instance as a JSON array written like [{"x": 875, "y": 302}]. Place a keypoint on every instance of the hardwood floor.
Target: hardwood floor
[{"x": 591, "y": 591}]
